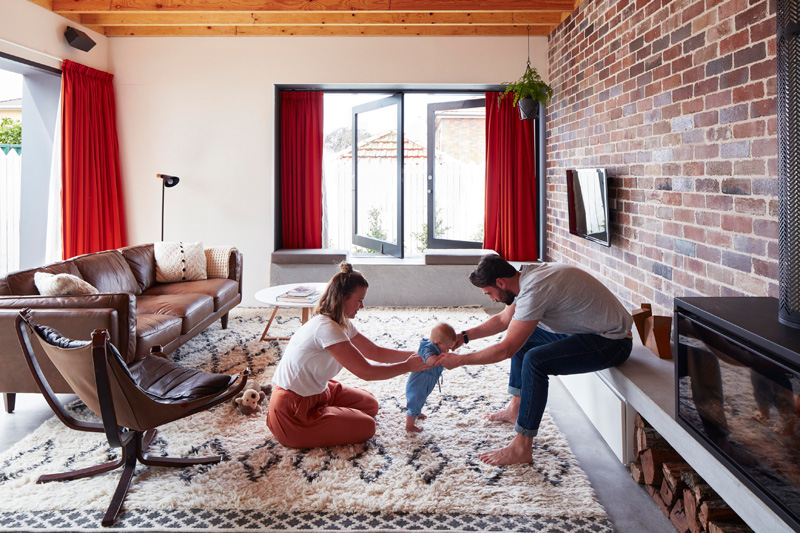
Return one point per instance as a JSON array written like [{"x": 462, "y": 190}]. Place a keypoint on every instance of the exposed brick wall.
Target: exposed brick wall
[{"x": 677, "y": 100}]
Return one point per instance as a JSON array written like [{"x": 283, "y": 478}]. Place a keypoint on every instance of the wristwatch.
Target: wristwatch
[{"x": 465, "y": 336}]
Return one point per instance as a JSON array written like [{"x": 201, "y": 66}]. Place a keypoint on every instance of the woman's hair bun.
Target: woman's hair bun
[{"x": 345, "y": 267}]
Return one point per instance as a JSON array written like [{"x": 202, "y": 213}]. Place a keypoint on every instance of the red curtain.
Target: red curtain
[
  {"x": 511, "y": 221},
  {"x": 301, "y": 169},
  {"x": 91, "y": 197}
]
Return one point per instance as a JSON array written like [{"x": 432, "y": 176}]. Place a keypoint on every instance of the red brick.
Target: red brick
[
  {"x": 751, "y": 206},
  {"x": 719, "y": 202},
  {"x": 765, "y": 69},
  {"x": 764, "y": 147},
  {"x": 764, "y": 108},
  {"x": 735, "y": 42},
  {"x": 720, "y": 99},
  {"x": 737, "y": 223},
  {"x": 695, "y": 168},
  {"x": 749, "y": 129},
  {"x": 707, "y": 218},
  {"x": 768, "y": 269},
  {"x": 694, "y": 233},
  {"x": 766, "y": 228},
  {"x": 749, "y": 92}
]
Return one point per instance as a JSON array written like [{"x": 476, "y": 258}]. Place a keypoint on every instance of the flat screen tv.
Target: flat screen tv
[{"x": 587, "y": 201}]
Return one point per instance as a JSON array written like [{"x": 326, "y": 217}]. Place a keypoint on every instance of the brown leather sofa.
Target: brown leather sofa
[{"x": 137, "y": 311}]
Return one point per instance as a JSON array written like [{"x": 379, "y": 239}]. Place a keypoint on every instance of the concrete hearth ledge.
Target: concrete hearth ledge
[{"x": 648, "y": 384}]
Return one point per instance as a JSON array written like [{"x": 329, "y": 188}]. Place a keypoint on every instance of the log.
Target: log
[
  {"x": 636, "y": 472},
  {"x": 673, "y": 473},
  {"x": 691, "y": 511},
  {"x": 652, "y": 460},
  {"x": 678, "y": 517},
  {"x": 728, "y": 527},
  {"x": 691, "y": 478},
  {"x": 665, "y": 508},
  {"x": 716, "y": 511},
  {"x": 667, "y": 494},
  {"x": 646, "y": 438},
  {"x": 703, "y": 492},
  {"x": 640, "y": 422}
]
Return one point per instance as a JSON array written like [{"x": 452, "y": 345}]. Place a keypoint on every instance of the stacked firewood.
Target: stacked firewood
[{"x": 689, "y": 502}]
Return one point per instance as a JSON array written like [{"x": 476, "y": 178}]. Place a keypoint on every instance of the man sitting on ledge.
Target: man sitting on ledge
[{"x": 559, "y": 320}]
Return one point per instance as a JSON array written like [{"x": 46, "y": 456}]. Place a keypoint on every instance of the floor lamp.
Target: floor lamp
[{"x": 166, "y": 181}]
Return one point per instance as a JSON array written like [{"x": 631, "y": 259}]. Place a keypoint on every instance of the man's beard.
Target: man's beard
[{"x": 507, "y": 297}]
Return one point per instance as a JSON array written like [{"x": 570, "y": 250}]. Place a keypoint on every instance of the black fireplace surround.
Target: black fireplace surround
[{"x": 737, "y": 382}]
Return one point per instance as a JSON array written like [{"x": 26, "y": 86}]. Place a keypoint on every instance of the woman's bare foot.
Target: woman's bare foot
[
  {"x": 410, "y": 424},
  {"x": 509, "y": 414},
  {"x": 517, "y": 453}
]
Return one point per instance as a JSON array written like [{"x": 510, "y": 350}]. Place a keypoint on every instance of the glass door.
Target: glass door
[{"x": 378, "y": 175}]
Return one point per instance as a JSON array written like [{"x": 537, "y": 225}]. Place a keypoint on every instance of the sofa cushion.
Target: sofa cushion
[
  {"x": 221, "y": 290},
  {"x": 21, "y": 283},
  {"x": 61, "y": 284},
  {"x": 192, "y": 309},
  {"x": 143, "y": 264},
  {"x": 155, "y": 329},
  {"x": 179, "y": 261},
  {"x": 108, "y": 271}
]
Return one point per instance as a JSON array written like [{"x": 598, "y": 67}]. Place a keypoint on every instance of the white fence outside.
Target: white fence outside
[
  {"x": 10, "y": 186},
  {"x": 460, "y": 199}
]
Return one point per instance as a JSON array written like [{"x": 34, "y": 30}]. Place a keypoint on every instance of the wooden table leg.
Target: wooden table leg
[
  {"x": 269, "y": 323},
  {"x": 304, "y": 318}
]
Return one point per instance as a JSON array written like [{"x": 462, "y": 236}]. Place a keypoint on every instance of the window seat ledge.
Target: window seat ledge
[
  {"x": 309, "y": 256},
  {"x": 455, "y": 256}
]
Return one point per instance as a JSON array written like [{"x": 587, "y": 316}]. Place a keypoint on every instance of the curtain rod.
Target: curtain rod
[{"x": 32, "y": 50}]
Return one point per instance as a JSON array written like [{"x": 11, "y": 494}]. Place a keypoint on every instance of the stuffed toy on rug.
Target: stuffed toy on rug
[{"x": 249, "y": 401}]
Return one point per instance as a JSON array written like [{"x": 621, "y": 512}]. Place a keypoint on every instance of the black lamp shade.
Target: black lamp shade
[{"x": 169, "y": 181}]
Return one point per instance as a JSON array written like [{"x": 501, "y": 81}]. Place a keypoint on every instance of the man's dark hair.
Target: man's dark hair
[{"x": 490, "y": 268}]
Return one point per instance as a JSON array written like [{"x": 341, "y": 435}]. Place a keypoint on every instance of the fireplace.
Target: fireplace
[{"x": 737, "y": 383}]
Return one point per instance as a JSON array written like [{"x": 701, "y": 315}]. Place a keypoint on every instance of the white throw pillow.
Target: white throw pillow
[
  {"x": 218, "y": 261},
  {"x": 179, "y": 261},
  {"x": 61, "y": 284}
]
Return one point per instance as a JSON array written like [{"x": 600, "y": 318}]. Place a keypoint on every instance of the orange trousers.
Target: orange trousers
[{"x": 339, "y": 415}]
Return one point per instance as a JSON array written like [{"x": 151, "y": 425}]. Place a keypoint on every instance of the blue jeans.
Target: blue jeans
[{"x": 551, "y": 354}]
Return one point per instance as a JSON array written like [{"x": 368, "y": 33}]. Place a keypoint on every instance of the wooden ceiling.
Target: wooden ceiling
[{"x": 118, "y": 18}]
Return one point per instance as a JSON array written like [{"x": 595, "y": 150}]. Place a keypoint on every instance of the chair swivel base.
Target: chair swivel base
[{"x": 132, "y": 452}]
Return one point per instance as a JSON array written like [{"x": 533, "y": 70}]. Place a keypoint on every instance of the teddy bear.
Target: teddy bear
[{"x": 248, "y": 402}]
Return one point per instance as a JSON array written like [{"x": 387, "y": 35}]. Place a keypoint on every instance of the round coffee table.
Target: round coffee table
[{"x": 270, "y": 296}]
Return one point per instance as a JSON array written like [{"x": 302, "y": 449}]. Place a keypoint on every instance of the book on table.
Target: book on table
[
  {"x": 302, "y": 290},
  {"x": 300, "y": 295}
]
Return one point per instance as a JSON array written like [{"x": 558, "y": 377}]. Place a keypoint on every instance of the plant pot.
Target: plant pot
[{"x": 528, "y": 108}]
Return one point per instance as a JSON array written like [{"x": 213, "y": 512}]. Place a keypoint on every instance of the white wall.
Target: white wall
[
  {"x": 36, "y": 34},
  {"x": 202, "y": 108}
]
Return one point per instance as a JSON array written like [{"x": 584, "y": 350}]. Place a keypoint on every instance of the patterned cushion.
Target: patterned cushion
[
  {"x": 179, "y": 261},
  {"x": 218, "y": 259},
  {"x": 61, "y": 284}
]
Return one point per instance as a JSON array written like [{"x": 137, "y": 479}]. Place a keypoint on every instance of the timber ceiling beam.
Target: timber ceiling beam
[{"x": 314, "y": 17}]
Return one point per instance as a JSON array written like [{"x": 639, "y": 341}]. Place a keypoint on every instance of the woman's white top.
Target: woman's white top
[{"x": 306, "y": 365}]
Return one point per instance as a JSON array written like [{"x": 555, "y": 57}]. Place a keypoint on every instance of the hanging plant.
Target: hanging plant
[
  {"x": 528, "y": 90},
  {"x": 530, "y": 85}
]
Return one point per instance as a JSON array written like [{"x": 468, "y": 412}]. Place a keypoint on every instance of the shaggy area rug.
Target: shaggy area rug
[{"x": 396, "y": 481}]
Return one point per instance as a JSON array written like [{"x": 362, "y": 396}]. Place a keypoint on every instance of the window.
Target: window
[
  {"x": 404, "y": 168},
  {"x": 26, "y": 210}
]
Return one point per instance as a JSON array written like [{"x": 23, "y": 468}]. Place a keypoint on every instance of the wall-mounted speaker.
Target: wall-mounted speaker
[{"x": 78, "y": 39}]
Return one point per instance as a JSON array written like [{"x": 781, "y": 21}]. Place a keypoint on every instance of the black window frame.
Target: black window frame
[{"x": 539, "y": 139}]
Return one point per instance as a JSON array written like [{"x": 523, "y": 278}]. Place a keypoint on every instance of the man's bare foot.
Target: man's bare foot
[
  {"x": 509, "y": 414},
  {"x": 422, "y": 417},
  {"x": 517, "y": 453},
  {"x": 410, "y": 424}
]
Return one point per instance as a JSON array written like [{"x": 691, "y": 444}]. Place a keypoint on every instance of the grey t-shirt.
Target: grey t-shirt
[{"x": 567, "y": 299}]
